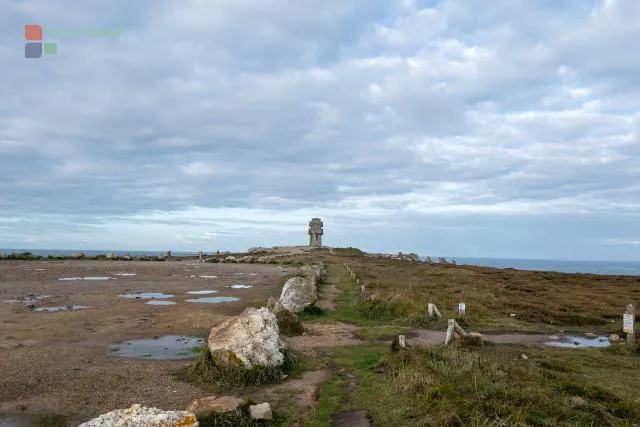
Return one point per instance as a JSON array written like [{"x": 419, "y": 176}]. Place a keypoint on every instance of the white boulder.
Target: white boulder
[
  {"x": 299, "y": 293},
  {"x": 248, "y": 340},
  {"x": 141, "y": 416}
]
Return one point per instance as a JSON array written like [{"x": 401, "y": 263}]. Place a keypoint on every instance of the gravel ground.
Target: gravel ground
[{"x": 59, "y": 362}]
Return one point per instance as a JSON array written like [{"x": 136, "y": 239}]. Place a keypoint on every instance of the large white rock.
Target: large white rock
[
  {"x": 140, "y": 416},
  {"x": 248, "y": 340},
  {"x": 299, "y": 293}
]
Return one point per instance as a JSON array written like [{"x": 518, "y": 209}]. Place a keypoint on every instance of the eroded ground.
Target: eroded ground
[{"x": 59, "y": 362}]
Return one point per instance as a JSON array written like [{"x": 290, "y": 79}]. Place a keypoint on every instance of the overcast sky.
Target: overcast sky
[{"x": 446, "y": 128}]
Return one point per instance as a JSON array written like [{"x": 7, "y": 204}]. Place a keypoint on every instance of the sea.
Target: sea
[{"x": 618, "y": 268}]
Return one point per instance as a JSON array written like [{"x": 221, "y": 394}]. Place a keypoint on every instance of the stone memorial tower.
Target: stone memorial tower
[{"x": 315, "y": 233}]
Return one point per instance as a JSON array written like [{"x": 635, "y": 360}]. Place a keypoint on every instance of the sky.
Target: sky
[{"x": 445, "y": 128}]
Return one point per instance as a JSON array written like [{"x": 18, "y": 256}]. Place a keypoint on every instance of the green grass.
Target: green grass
[
  {"x": 380, "y": 333},
  {"x": 482, "y": 386},
  {"x": 205, "y": 372},
  {"x": 289, "y": 324}
]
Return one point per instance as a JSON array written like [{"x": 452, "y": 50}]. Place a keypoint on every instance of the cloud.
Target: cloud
[{"x": 393, "y": 113}]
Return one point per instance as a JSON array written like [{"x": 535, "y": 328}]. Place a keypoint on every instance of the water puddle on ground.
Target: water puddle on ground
[
  {"x": 208, "y": 277},
  {"x": 203, "y": 292},
  {"x": 85, "y": 278},
  {"x": 253, "y": 274},
  {"x": 126, "y": 274},
  {"x": 580, "y": 342},
  {"x": 31, "y": 299},
  {"x": 62, "y": 308},
  {"x": 147, "y": 295},
  {"x": 160, "y": 302},
  {"x": 214, "y": 300},
  {"x": 240, "y": 286},
  {"x": 168, "y": 347}
]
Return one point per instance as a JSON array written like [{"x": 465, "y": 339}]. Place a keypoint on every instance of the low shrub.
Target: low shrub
[{"x": 206, "y": 372}]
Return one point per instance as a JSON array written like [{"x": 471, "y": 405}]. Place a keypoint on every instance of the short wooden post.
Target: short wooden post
[
  {"x": 362, "y": 288},
  {"x": 402, "y": 341},
  {"x": 628, "y": 320},
  {"x": 450, "y": 331},
  {"x": 201, "y": 257},
  {"x": 433, "y": 311},
  {"x": 461, "y": 309},
  {"x": 459, "y": 329}
]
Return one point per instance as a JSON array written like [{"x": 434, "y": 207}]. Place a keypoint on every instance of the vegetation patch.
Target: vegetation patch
[
  {"x": 289, "y": 324},
  {"x": 464, "y": 384},
  {"x": 207, "y": 373},
  {"x": 381, "y": 333}
]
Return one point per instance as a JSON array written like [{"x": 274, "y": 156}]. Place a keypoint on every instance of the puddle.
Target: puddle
[
  {"x": 205, "y": 292},
  {"x": 240, "y": 273},
  {"x": 125, "y": 274},
  {"x": 208, "y": 277},
  {"x": 580, "y": 342},
  {"x": 214, "y": 300},
  {"x": 62, "y": 308},
  {"x": 253, "y": 274},
  {"x": 147, "y": 295},
  {"x": 161, "y": 302},
  {"x": 240, "y": 286},
  {"x": 168, "y": 347},
  {"x": 85, "y": 278},
  {"x": 26, "y": 300}
]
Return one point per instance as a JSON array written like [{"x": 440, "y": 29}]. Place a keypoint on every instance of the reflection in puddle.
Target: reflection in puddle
[
  {"x": 161, "y": 302},
  {"x": 205, "y": 292},
  {"x": 240, "y": 286},
  {"x": 62, "y": 308},
  {"x": 208, "y": 277},
  {"x": 214, "y": 300},
  {"x": 169, "y": 347},
  {"x": 26, "y": 300},
  {"x": 86, "y": 278},
  {"x": 580, "y": 342},
  {"x": 147, "y": 295}
]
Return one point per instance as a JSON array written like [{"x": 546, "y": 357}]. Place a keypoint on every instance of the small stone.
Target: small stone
[
  {"x": 614, "y": 338},
  {"x": 215, "y": 404},
  {"x": 577, "y": 402},
  {"x": 524, "y": 357},
  {"x": 261, "y": 411},
  {"x": 513, "y": 315},
  {"x": 590, "y": 335},
  {"x": 554, "y": 337}
]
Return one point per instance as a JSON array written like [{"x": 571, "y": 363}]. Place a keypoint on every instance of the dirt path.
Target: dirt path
[{"x": 329, "y": 298}]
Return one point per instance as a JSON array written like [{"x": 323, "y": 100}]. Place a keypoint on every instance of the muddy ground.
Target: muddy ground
[{"x": 61, "y": 362}]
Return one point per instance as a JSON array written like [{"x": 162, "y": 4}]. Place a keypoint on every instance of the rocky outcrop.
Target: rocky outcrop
[
  {"x": 230, "y": 258},
  {"x": 210, "y": 404},
  {"x": 248, "y": 340},
  {"x": 274, "y": 306},
  {"x": 248, "y": 259},
  {"x": 140, "y": 416},
  {"x": 261, "y": 411},
  {"x": 315, "y": 271},
  {"x": 299, "y": 293}
]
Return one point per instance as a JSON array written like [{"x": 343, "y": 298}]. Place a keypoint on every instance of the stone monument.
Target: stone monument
[{"x": 315, "y": 233}]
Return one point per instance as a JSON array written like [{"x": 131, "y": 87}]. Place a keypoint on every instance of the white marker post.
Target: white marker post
[
  {"x": 461, "y": 309},
  {"x": 628, "y": 320}
]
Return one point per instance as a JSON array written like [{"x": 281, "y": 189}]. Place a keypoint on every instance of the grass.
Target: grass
[
  {"x": 380, "y": 333},
  {"x": 541, "y": 301},
  {"x": 206, "y": 373},
  {"x": 482, "y": 386},
  {"x": 289, "y": 324}
]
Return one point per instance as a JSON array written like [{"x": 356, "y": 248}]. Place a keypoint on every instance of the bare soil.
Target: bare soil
[{"x": 60, "y": 362}]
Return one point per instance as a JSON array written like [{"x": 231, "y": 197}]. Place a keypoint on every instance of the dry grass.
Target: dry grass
[{"x": 540, "y": 300}]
